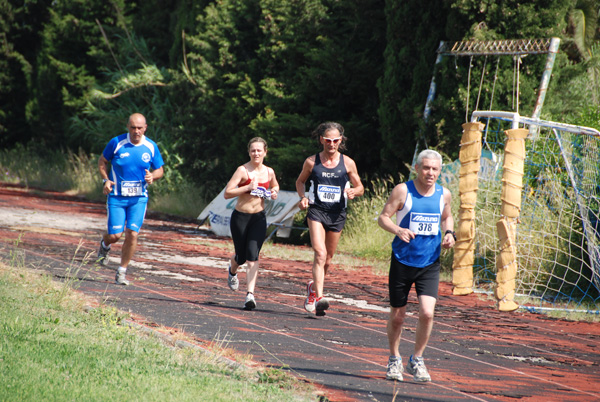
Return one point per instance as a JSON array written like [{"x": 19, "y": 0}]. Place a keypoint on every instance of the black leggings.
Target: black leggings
[{"x": 248, "y": 232}]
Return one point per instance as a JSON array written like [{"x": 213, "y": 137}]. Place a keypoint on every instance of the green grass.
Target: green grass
[
  {"x": 77, "y": 174},
  {"x": 52, "y": 349}
]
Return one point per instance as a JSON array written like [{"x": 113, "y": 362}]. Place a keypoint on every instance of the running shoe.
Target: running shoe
[
  {"x": 321, "y": 304},
  {"x": 102, "y": 254},
  {"x": 250, "y": 303},
  {"x": 416, "y": 367},
  {"x": 394, "y": 369},
  {"x": 309, "y": 303},
  {"x": 120, "y": 278},
  {"x": 232, "y": 280}
]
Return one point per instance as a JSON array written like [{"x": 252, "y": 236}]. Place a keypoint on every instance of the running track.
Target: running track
[{"x": 179, "y": 281}]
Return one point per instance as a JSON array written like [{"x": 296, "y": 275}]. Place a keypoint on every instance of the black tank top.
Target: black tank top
[{"x": 327, "y": 186}]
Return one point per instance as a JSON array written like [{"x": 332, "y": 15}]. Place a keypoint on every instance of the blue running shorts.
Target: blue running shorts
[{"x": 123, "y": 211}]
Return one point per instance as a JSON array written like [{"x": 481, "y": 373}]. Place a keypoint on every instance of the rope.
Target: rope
[
  {"x": 516, "y": 72},
  {"x": 468, "y": 89},
  {"x": 481, "y": 82},
  {"x": 518, "y": 79},
  {"x": 494, "y": 85},
  {"x": 513, "y": 83}
]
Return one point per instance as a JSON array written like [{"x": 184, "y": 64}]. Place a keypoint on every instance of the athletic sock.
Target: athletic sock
[
  {"x": 104, "y": 246},
  {"x": 122, "y": 270}
]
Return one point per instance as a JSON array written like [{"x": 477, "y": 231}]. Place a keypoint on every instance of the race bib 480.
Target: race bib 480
[
  {"x": 424, "y": 224},
  {"x": 329, "y": 193}
]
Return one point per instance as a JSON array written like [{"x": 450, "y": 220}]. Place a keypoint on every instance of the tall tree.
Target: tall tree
[
  {"x": 413, "y": 35},
  {"x": 277, "y": 69},
  {"x": 72, "y": 54},
  {"x": 20, "y": 25}
]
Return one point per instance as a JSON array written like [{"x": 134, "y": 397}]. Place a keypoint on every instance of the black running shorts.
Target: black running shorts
[
  {"x": 331, "y": 221},
  {"x": 402, "y": 277}
]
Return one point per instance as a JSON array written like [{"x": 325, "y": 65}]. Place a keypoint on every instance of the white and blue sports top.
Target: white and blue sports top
[
  {"x": 422, "y": 215},
  {"x": 327, "y": 186},
  {"x": 129, "y": 163}
]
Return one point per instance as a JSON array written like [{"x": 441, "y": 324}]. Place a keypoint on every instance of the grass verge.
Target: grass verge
[{"x": 52, "y": 349}]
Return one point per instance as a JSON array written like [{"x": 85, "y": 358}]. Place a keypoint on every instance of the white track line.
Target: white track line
[
  {"x": 472, "y": 359},
  {"x": 358, "y": 357},
  {"x": 339, "y": 351}
]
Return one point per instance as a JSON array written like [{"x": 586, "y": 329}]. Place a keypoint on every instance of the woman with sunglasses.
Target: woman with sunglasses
[{"x": 333, "y": 180}]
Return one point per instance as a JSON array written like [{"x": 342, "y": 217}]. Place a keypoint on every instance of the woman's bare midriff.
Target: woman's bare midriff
[{"x": 249, "y": 204}]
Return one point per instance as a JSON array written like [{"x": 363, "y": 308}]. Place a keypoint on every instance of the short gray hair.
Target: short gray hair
[{"x": 428, "y": 154}]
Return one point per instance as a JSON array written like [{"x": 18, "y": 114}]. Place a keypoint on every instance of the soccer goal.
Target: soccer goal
[{"x": 528, "y": 222}]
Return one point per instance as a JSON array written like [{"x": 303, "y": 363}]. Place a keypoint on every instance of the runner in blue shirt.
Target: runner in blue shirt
[
  {"x": 135, "y": 162},
  {"x": 423, "y": 213}
]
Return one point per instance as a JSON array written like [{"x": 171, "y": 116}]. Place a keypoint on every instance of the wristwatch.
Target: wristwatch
[
  {"x": 452, "y": 233},
  {"x": 104, "y": 181}
]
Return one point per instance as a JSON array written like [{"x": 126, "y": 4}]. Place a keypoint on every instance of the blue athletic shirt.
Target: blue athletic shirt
[
  {"x": 327, "y": 186},
  {"x": 423, "y": 216},
  {"x": 129, "y": 163}
]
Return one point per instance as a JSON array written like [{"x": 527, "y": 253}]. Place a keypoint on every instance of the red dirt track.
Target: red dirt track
[{"x": 179, "y": 281}]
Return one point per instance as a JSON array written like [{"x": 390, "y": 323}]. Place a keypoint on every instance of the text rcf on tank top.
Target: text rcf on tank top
[{"x": 331, "y": 175}]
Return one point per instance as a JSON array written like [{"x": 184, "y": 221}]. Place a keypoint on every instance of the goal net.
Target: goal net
[{"x": 531, "y": 240}]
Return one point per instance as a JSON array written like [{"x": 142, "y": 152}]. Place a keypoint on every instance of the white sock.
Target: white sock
[
  {"x": 104, "y": 245},
  {"x": 122, "y": 270}
]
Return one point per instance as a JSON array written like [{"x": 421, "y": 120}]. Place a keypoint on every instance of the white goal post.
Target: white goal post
[{"x": 529, "y": 231}]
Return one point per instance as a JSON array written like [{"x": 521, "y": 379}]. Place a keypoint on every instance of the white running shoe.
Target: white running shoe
[
  {"x": 232, "y": 280},
  {"x": 309, "y": 303},
  {"x": 120, "y": 277},
  {"x": 102, "y": 258},
  {"x": 416, "y": 367},
  {"x": 394, "y": 369},
  {"x": 250, "y": 303}
]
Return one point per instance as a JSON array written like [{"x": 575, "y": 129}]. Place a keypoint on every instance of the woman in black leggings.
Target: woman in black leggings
[{"x": 252, "y": 183}]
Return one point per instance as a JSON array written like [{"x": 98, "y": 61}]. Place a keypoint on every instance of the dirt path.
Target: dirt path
[{"x": 179, "y": 281}]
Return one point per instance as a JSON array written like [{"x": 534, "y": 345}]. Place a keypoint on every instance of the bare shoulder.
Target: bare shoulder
[
  {"x": 309, "y": 162},
  {"x": 240, "y": 172},
  {"x": 402, "y": 187},
  {"x": 398, "y": 194},
  {"x": 447, "y": 192},
  {"x": 396, "y": 199},
  {"x": 348, "y": 161},
  {"x": 271, "y": 171}
]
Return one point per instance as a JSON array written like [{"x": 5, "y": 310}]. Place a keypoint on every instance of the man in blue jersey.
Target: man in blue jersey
[
  {"x": 424, "y": 225},
  {"x": 135, "y": 162}
]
